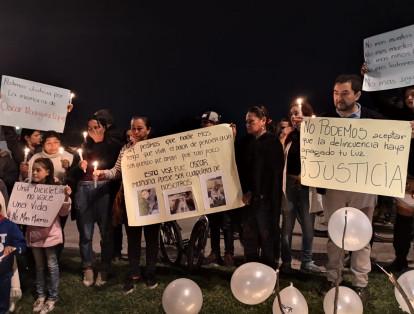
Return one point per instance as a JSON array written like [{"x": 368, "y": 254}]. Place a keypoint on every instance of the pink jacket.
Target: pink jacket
[{"x": 48, "y": 236}]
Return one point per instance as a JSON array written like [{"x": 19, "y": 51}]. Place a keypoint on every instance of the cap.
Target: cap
[{"x": 211, "y": 116}]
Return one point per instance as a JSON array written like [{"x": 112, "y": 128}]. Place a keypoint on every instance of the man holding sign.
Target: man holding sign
[{"x": 346, "y": 93}]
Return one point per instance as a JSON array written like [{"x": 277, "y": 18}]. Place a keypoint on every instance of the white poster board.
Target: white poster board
[
  {"x": 180, "y": 176},
  {"x": 390, "y": 60},
  {"x": 33, "y": 105},
  {"x": 359, "y": 155},
  {"x": 35, "y": 204}
]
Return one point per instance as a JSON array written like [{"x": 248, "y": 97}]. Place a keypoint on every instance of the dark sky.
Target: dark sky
[{"x": 173, "y": 60}]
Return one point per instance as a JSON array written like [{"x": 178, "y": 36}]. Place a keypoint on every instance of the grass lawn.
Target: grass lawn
[{"x": 213, "y": 281}]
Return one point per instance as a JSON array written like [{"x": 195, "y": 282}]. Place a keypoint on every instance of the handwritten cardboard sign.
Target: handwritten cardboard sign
[
  {"x": 33, "y": 105},
  {"x": 182, "y": 175},
  {"x": 35, "y": 204},
  {"x": 359, "y": 155},
  {"x": 390, "y": 60}
]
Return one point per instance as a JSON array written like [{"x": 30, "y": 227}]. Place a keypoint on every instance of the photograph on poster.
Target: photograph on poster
[
  {"x": 215, "y": 192},
  {"x": 147, "y": 202},
  {"x": 180, "y": 201}
]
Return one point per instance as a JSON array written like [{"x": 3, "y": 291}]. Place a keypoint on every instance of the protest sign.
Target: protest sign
[
  {"x": 390, "y": 60},
  {"x": 35, "y": 204},
  {"x": 359, "y": 155},
  {"x": 33, "y": 105},
  {"x": 180, "y": 176}
]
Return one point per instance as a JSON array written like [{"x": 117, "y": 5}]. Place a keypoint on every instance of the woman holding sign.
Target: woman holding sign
[
  {"x": 140, "y": 128},
  {"x": 296, "y": 205},
  {"x": 260, "y": 165},
  {"x": 44, "y": 241}
]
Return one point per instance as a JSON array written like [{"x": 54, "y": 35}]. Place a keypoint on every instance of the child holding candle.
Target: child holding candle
[{"x": 93, "y": 199}]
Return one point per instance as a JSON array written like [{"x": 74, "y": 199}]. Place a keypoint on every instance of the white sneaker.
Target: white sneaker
[
  {"x": 49, "y": 306},
  {"x": 38, "y": 305},
  {"x": 310, "y": 267},
  {"x": 88, "y": 277}
]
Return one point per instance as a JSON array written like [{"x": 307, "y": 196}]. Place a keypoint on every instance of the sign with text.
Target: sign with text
[
  {"x": 390, "y": 60},
  {"x": 35, "y": 204},
  {"x": 180, "y": 176},
  {"x": 359, "y": 155},
  {"x": 33, "y": 105}
]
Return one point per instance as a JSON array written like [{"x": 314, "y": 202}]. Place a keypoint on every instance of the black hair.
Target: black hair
[
  {"x": 307, "y": 109},
  {"x": 143, "y": 118},
  {"x": 48, "y": 165},
  {"x": 26, "y": 132},
  {"x": 261, "y": 112},
  {"x": 355, "y": 80},
  {"x": 50, "y": 134}
]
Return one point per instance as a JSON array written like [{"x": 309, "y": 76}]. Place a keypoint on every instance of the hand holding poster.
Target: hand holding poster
[
  {"x": 33, "y": 105},
  {"x": 35, "y": 204},
  {"x": 390, "y": 60},
  {"x": 359, "y": 155},
  {"x": 182, "y": 175}
]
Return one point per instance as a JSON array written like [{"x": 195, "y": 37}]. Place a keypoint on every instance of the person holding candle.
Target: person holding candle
[
  {"x": 93, "y": 199},
  {"x": 141, "y": 128},
  {"x": 296, "y": 205}
]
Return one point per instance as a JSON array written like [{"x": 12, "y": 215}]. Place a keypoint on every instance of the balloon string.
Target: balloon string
[
  {"x": 279, "y": 300},
  {"x": 397, "y": 285},
  {"x": 340, "y": 267}
]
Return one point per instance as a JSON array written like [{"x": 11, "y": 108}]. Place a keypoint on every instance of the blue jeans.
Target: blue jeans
[
  {"x": 50, "y": 254},
  {"x": 94, "y": 205},
  {"x": 297, "y": 207},
  {"x": 5, "y": 284}
]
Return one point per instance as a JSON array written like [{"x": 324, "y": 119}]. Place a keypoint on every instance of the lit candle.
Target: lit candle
[
  {"x": 299, "y": 101},
  {"x": 72, "y": 95},
  {"x": 26, "y": 153},
  {"x": 17, "y": 127},
  {"x": 85, "y": 134},
  {"x": 95, "y": 178},
  {"x": 313, "y": 116},
  {"x": 61, "y": 150}
]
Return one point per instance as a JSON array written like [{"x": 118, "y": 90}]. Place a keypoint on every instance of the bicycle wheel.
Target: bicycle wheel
[
  {"x": 197, "y": 244},
  {"x": 171, "y": 243}
]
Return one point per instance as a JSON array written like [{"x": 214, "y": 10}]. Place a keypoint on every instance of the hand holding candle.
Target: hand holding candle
[
  {"x": 80, "y": 153},
  {"x": 95, "y": 176}
]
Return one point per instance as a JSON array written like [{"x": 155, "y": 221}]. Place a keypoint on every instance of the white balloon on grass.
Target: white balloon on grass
[
  {"x": 358, "y": 228},
  {"x": 293, "y": 301},
  {"x": 406, "y": 282},
  {"x": 182, "y": 296},
  {"x": 252, "y": 283},
  {"x": 348, "y": 302}
]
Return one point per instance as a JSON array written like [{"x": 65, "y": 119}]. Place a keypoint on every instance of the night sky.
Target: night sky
[{"x": 173, "y": 60}]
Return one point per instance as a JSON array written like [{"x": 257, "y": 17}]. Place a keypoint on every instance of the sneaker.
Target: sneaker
[
  {"x": 228, "y": 260},
  {"x": 151, "y": 283},
  {"x": 129, "y": 284},
  {"x": 212, "y": 258},
  {"x": 38, "y": 305},
  {"x": 363, "y": 293},
  {"x": 101, "y": 279},
  {"x": 15, "y": 296},
  {"x": 49, "y": 306},
  {"x": 88, "y": 277},
  {"x": 310, "y": 267}
]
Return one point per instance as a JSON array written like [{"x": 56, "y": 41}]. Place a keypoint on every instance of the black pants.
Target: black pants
[
  {"x": 117, "y": 241},
  {"x": 221, "y": 221},
  {"x": 5, "y": 284},
  {"x": 151, "y": 233},
  {"x": 260, "y": 231},
  {"x": 403, "y": 230}
]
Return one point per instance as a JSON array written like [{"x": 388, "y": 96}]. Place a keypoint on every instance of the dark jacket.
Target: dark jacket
[
  {"x": 10, "y": 236},
  {"x": 260, "y": 166}
]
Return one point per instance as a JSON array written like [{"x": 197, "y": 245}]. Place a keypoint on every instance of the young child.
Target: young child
[
  {"x": 11, "y": 241},
  {"x": 43, "y": 241}
]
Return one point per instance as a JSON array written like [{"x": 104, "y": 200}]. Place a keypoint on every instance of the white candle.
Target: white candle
[
  {"x": 85, "y": 134},
  {"x": 313, "y": 116},
  {"x": 80, "y": 154},
  {"x": 26, "y": 153},
  {"x": 61, "y": 150},
  {"x": 95, "y": 178},
  {"x": 299, "y": 101},
  {"x": 72, "y": 95}
]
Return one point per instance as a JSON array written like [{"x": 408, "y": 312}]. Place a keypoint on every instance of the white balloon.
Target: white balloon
[
  {"x": 406, "y": 282},
  {"x": 358, "y": 228},
  {"x": 348, "y": 301},
  {"x": 182, "y": 296},
  {"x": 252, "y": 283},
  {"x": 293, "y": 301}
]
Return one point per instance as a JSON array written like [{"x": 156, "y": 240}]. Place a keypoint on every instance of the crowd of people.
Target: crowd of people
[{"x": 268, "y": 162}]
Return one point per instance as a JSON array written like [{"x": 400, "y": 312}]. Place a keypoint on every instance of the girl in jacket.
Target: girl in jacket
[{"x": 44, "y": 241}]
